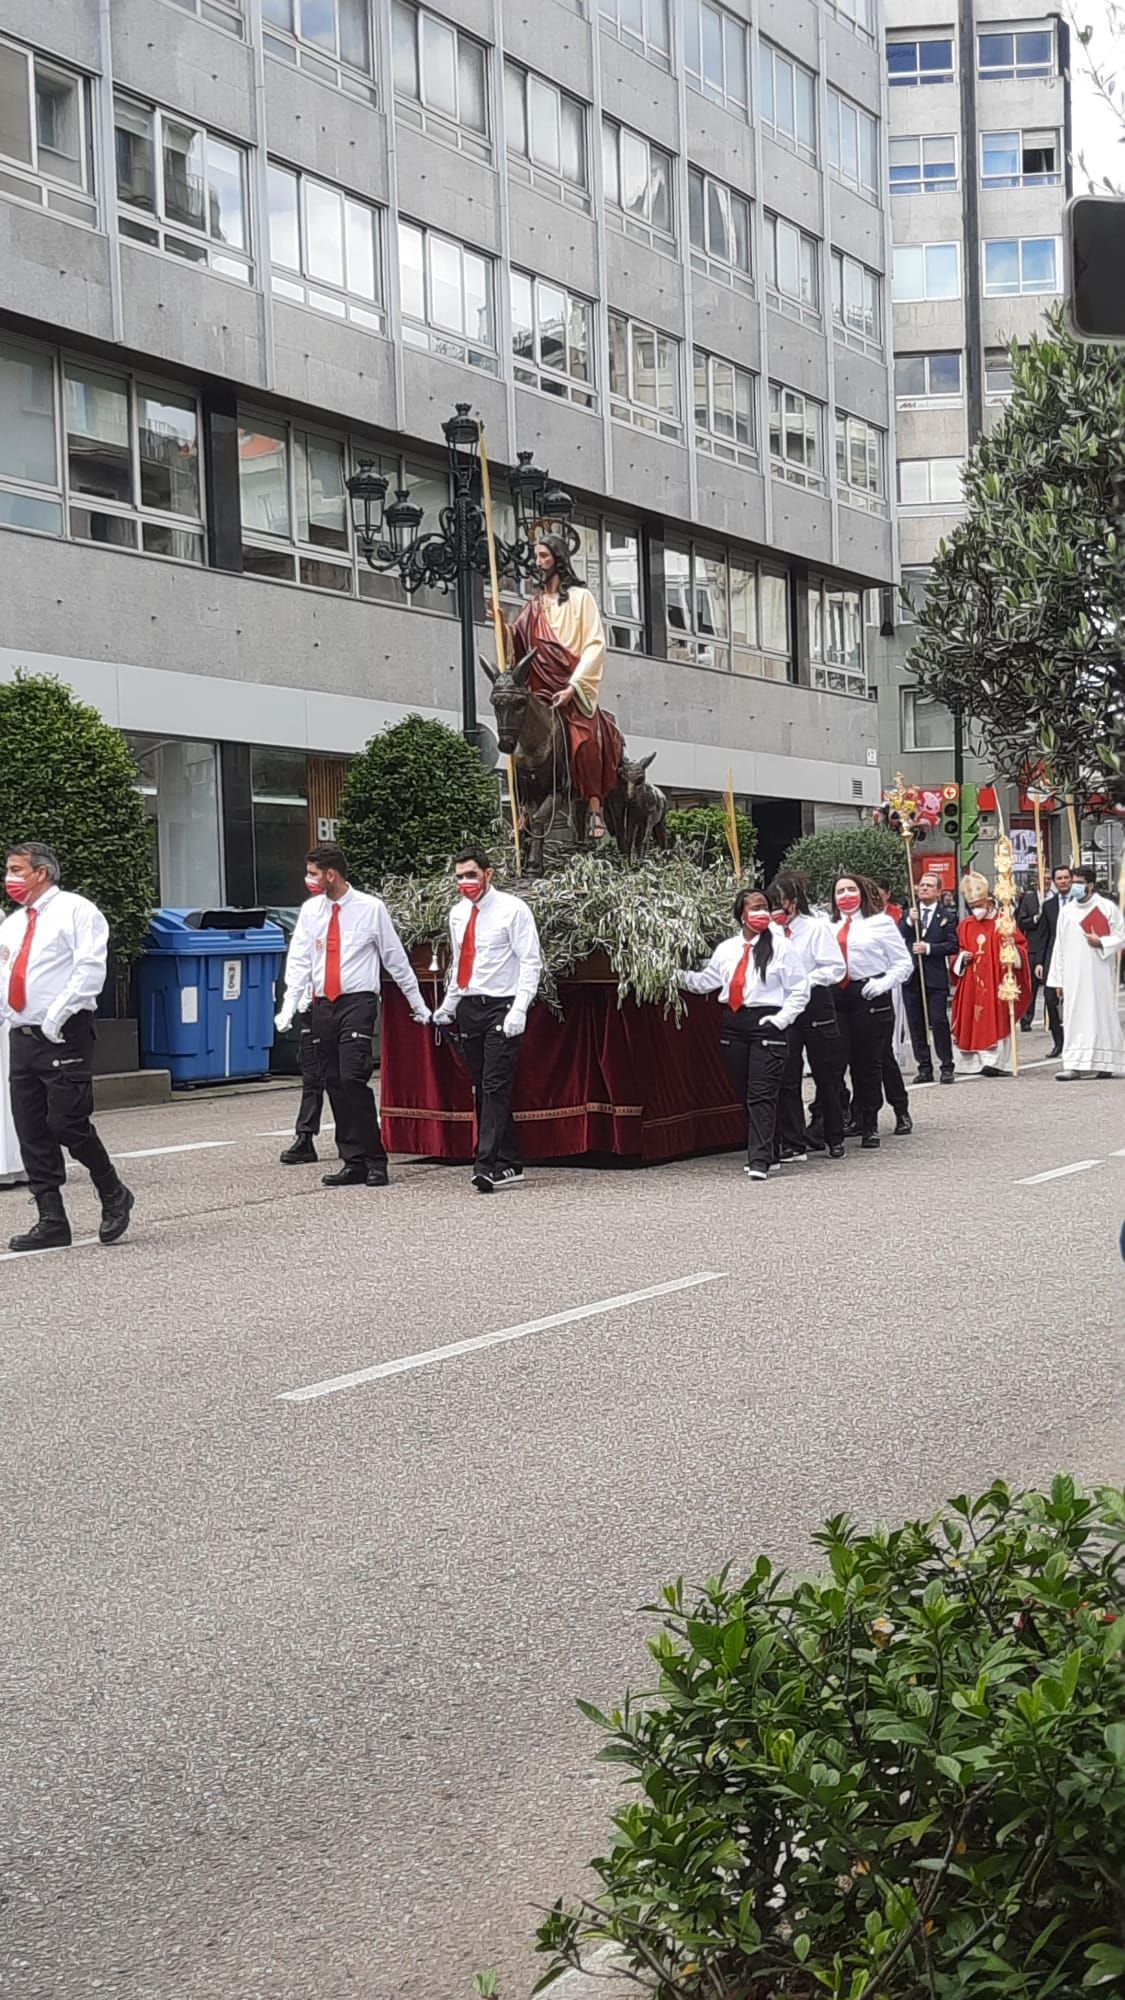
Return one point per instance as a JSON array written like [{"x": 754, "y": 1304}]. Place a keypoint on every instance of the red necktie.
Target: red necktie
[
  {"x": 738, "y": 983},
  {"x": 17, "y": 982},
  {"x": 467, "y": 954},
  {"x": 842, "y": 941},
  {"x": 332, "y": 987}
]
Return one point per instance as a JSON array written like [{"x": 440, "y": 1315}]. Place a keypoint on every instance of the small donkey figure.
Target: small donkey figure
[{"x": 643, "y": 809}]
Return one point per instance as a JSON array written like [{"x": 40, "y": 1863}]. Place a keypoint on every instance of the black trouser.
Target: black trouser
[
  {"x": 1054, "y": 1015},
  {"x": 52, "y": 1093},
  {"x": 756, "y": 1057},
  {"x": 1027, "y": 1018},
  {"x": 491, "y": 1057},
  {"x": 866, "y": 1028},
  {"x": 312, "y": 1085},
  {"x": 894, "y": 1088},
  {"x": 816, "y": 1032},
  {"x": 343, "y": 1033},
  {"x": 937, "y": 1003}
]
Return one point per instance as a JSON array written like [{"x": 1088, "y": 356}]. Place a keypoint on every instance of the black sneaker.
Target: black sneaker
[
  {"x": 904, "y": 1124},
  {"x": 378, "y": 1176},
  {"x": 345, "y": 1177},
  {"x": 507, "y": 1177},
  {"x": 482, "y": 1181},
  {"x": 302, "y": 1153},
  {"x": 925, "y": 1075},
  {"x": 949, "y": 1076},
  {"x": 837, "y": 1152},
  {"x": 50, "y": 1232},
  {"x": 793, "y": 1156},
  {"x": 869, "y": 1142},
  {"x": 116, "y": 1211}
]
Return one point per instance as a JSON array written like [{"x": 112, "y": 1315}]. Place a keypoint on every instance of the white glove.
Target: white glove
[
  {"x": 53, "y": 1030},
  {"x": 284, "y": 1019},
  {"x": 421, "y": 1014},
  {"x": 773, "y": 1021},
  {"x": 514, "y": 1022},
  {"x": 872, "y": 988},
  {"x": 443, "y": 1015}
]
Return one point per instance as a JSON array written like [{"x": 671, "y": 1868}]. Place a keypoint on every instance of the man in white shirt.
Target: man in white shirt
[
  {"x": 341, "y": 942},
  {"x": 494, "y": 977},
  {"x": 52, "y": 969}
]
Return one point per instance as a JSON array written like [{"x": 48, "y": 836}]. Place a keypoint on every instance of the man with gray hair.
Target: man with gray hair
[{"x": 52, "y": 969}]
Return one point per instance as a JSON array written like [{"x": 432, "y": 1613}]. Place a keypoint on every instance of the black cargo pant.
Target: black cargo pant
[
  {"x": 491, "y": 1058},
  {"x": 755, "y": 1057},
  {"x": 817, "y": 1032},
  {"x": 52, "y": 1092},
  {"x": 866, "y": 1029},
  {"x": 343, "y": 1033},
  {"x": 312, "y": 1084}
]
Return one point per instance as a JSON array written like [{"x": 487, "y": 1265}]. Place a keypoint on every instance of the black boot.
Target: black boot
[
  {"x": 302, "y": 1153},
  {"x": 904, "y": 1123},
  {"x": 116, "y": 1210},
  {"x": 51, "y": 1232}
]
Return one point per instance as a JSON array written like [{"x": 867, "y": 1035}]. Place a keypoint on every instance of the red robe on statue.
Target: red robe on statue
[
  {"x": 595, "y": 740},
  {"x": 980, "y": 1018}
]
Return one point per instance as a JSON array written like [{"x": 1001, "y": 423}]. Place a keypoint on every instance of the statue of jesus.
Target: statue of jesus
[{"x": 561, "y": 627}]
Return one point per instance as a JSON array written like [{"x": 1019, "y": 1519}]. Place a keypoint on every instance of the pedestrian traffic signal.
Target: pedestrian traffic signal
[
  {"x": 951, "y": 813},
  {"x": 1095, "y": 267}
]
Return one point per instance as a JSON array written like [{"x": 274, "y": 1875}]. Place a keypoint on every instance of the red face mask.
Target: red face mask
[
  {"x": 473, "y": 890},
  {"x": 783, "y": 918},
  {"x": 848, "y": 902},
  {"x": 757, "y": 920},
  {"x": 314, "y": 888},
  {"x": 16, "y": 889}
]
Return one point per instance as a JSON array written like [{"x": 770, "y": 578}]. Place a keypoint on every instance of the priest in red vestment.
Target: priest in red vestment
[
  {"x": 561, "y": 627},
  {"x": 982, "y": 1029}
]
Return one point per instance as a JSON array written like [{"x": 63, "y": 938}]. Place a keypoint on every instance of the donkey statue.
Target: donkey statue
[
  {"x": 533, "y": 734},
  {"x": 642, "y": 809}
]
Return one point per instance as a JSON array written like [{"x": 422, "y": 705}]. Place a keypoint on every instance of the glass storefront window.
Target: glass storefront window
[
  {"x": 279, "y": 790},
  {"x": 180, "y": 783}
]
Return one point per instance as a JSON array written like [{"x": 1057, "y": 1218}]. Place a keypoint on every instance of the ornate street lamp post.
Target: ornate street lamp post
[{"x": 390, "y": 537}]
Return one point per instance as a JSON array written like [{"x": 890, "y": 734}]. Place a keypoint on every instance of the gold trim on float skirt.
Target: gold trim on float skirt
[
  {"x": 697, "y": 1111},
  {"x": 521, "y": 1117}
]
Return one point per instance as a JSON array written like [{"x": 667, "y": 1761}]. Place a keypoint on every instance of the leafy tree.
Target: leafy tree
[
  {"x": 413, "y": 797},
  {"x": 703, "y": 829},
  {"x": 68, "y": 778},
  {"x": 1022, "y": 621},
  {"x": 850, "y": 850}
]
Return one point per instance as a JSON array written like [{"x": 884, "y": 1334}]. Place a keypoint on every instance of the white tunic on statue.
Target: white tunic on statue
[
  {"x": 11, "y": 1165},
  {"x": 1093, "y": 1038}
]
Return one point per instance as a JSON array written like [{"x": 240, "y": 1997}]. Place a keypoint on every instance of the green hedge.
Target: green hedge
[
  {"x": 414, "y": 796},
  {"x": 852, "y": 850}
]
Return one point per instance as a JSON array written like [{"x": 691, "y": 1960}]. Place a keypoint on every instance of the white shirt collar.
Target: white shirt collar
[{"x": 41, "y": 902}]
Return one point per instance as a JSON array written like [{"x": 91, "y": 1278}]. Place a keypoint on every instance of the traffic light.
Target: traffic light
[
  {"x": 951, "y": 813},
  {"x": 1095, "y": 266}
]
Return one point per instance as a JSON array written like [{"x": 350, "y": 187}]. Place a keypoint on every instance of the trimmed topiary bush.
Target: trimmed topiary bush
[
  {"x": 852, "y": 850},
  {"x": 414, "y": 796},
  {"x": 902, "y": 1781},
  {"x": 702, "y": 830},
  {"x": 68, "y": 778}
]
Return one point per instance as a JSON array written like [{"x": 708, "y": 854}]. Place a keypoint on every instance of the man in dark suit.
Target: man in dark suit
[
  {"x": 1029, "y": 909},
  {"x": 1041, "y": 943},
  {"x": 933, "y": 945}
]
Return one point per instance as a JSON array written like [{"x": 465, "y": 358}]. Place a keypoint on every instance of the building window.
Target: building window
[
  {"x": 787, "y": 100},
  {"x": 923, "y": 166},
  {"x": 932, "y": 380},
  {"x": 860, "y": 14},
  {"x": 1019, "y": 159},
  {"x": 853, "y": 144},
  {"x": 279, "y": 798},
  {"x": 99, "y": 454},
  {"x": 447, "y": 304},
  {"x": 724, "y": 409},
  {"x": 638, "y": 185},
  {"x": 609, "y": 561},
  {"x": 1022, "y": 53},
  {"x": 796, "y": 431},
  {"x": 926, "y": 271},
  {"x": 46, "y": 147},
  {"x": 916, "y": 60},
  {"x": 999, "y": 384},
  {"x": 546, "y": 135},
  {"x": 726, "y": 612},
  {"x": 441, "y": 79},
  {"x": 331, "y": 39},
  {"x": 294, "y": 505},
  {"x": 859, "y": 463},
  {"x": 715, "y": 55},
  {"x": 1022, "y": 264},
  {"x": 836, "y": 638},
  {"x": 220, "y": 13},
  {"x": 427, "y": 482},
  {"x": 857, "y": 304},
  {"x": 644, "y": 376},
  {"x": 324, "y": 248},
  {"x": 719, "y": 227},
  {"x": 182, "y": 190},
  {"x": 792, "y": 261},
  {"x": 179, "y": 782},
  {"x": 930, "y": 482},
  {"x": 644, "y": 25},
  {"x": 926, "y": 724},
  {"x": 553, "y": 340}
]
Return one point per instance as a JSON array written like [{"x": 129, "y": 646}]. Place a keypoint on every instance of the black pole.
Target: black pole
[{"x": 463, "y": 508}]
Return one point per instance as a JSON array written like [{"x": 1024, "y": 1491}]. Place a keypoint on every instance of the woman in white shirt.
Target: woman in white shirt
[
  {"x": 876, "y": 961},
  {"x": 763, "y": 986},
  {"x": 816, "y": 1033}
]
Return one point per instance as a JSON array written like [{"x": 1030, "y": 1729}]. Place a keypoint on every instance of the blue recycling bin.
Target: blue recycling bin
[{"x": 205, "y": 992}]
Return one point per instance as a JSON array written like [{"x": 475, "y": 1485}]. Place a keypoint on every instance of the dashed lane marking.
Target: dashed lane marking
[
  {"x": 192, "y": 1146},
  {"x": 1057, "y": 1173}
]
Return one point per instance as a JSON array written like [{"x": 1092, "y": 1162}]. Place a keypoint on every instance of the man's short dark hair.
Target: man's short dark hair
[
  {"x": 1061, "y": 868},
  {"x": 1089, "y": 875},
  {"x": 476, "y": 855},
  {"x": 327, "y": 855},
  {"x": 39, "y": 855}
]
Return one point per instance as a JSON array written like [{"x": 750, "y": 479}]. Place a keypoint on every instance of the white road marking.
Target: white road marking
[
  {"x": 1056, "y": 1173},
  {"x": 25, "y": 1256},
  {"x": 195, "y": 1146},
  {"x": 408, "y": 1363}
]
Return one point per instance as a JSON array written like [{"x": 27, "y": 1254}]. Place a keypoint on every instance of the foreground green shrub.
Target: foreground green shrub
[
  {"x": 905, "y": 1781},
  {"x": 702, "y": 830}
]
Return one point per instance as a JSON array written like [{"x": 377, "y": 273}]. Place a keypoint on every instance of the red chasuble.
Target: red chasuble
[
  {"x": 595, "y": 740},
  {"x": 980, "y": 1018}
]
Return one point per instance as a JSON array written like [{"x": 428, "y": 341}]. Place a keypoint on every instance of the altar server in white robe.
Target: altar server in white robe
[{"x": 1088, "y": 942}]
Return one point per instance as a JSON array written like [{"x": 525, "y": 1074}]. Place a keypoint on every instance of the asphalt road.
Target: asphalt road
[{"x": 288, "y": 1685}]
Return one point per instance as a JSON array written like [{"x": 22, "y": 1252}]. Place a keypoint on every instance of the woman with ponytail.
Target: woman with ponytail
[
  {"x": 762, "y": 986},
  {"x": 875, "y": 962}
]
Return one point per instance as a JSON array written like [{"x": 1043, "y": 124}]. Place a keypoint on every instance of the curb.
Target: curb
[{"x": 126, "y": 1090}]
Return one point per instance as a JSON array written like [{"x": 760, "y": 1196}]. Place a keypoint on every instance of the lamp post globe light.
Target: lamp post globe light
[{"x": 391, "y": 540}]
